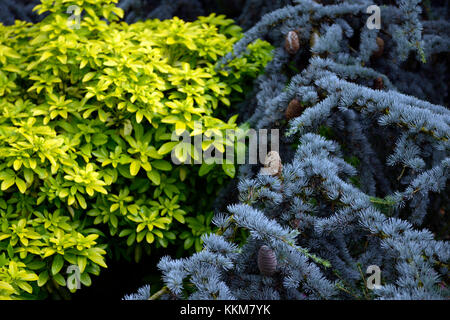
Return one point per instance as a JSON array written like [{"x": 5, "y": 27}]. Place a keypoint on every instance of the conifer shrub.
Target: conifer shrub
[{"x": 86, "y": 123}]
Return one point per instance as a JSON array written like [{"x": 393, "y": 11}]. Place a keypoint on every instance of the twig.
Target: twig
[{"x": 158, "y": 294}]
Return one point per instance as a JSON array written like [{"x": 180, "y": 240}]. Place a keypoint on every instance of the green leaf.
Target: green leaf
[
  {"x": 29, "y": 175},
  {"x": 140, "y": 227},
  {"x": 149, "y": 237},
  {"x": 35, "y": 265},
  {"x": 85, "y": 279},
  {"x": 100, "y": 139},
  {"x": 154, "y": 176},
  {"x": 188, "y": 243},
  {"x": 229, "y": 169},
  {"x": 81, "y": 262},
  {"x": 8, "y": 182},
  {"x": 131, "y": 239},
  {"x": 60, "y": 279},
  {"x": 31, "y": 276},
  {"x": 114, "y": 207},
  {"x": 139, "y": 116},
  {"x": 21, "y": 185},
  {"x": 45, "y": 56},
  {"x": 114, "y": 221},
  {"x": 198, "y": 245},
  {"x": 163, "y": 242},
  {"x": 140, "y": 236},
  {"x": 97, "y": 258},
  {"x": 170, "y": 235},
  {"x": 17, "y": 164},
  {"x": 25, "y": 286},
  {"x": 179, "y": 217},
  {"x": 167, "y": 147},
  {"x": 205, "y": 168},
  {"x": 81, "y": 200},
  {"x": 183, "y": 173},
  {"x": 10, "y": 251},
  {"x": 125, "y": 232},
  {"x": 88, "y": 76},
  {"x": 135, "y": 166},
  {"x": 162, "y": 165},
  {"x": 43, "y": 277},
  {"x": 57, "y": 264}
]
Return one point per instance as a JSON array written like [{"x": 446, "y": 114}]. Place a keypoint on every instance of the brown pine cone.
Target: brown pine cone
[
  {"x": 293, "y": 110},
  {"x": 292, "y": 43},
  {"x": 267, "y": 261},
  {"x": 378, "y": 84},
  {"x": 379, "y": 52}
]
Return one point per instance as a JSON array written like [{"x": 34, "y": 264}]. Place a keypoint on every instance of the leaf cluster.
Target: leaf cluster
[{"x": 86, "y": 122}]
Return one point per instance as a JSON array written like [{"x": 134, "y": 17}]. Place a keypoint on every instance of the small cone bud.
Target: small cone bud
[
  {"x": 267, "y": 261},
  {"x": 379, "y": 52},
  {"x": 292, "y": 43},
  {"x": 293, "y": 110},
  {"x": 272, "y": 164},
  {"x": 378, "y": 83}
]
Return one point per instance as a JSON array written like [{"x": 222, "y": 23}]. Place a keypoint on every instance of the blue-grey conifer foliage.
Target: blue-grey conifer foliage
[
  {"x": 11, "y": 10},
  {"x": 143, "y": 293},
  {"x": 356, "y": 192}
]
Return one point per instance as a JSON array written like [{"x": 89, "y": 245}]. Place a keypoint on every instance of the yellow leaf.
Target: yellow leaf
[
  {"x": 17, "y": 164},
  {"x": 180, "y": 127},
  {"x": 21, "y": 185},
  {"x": 70, "y": 200},
  {"x": 167, "y": 147},
  {"x": 7, "y": 183},
  {"x": 62, "y": 59},
  {"x": 32, "y": 163},
  {"x": 83, "y": 63},
  {"x": 11, "y": 68},
  {"x": 90, "y": 191},
  {"x": 81, "y": 200},
  {"x": 139, "y": 116},
  {"x": 88, "y": 76},
  {"x": 45, "y": 56},
  {"x": 114, "y": 207},
  {"x": 149, "y": 237},
  {"x": 135, "y": 166}
]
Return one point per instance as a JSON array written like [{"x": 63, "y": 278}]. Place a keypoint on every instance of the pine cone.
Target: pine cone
[
  {"x": 378, "y": 84},
  {"x": 379, "y": 52},
  {"x": 293, "y": 110},
  {"x": 292, "y": 43},
  {"x": 267, "y": 261},
  {"x": 272, "y": 164}
]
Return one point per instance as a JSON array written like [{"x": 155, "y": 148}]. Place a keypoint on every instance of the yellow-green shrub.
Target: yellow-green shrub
[{"x": 85, "y": 135}]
